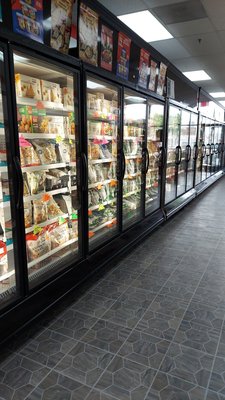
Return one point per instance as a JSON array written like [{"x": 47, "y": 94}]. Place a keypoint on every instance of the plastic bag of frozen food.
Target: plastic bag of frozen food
[
  {"x": 53, "y": 208},
  {"x": 95, "y": 198},
  {"x": 90, "y": 198},
  {"x": 26, "y": 190},
  {"x": 3, "y": 258},
  {"x": 38, "y": 245},
  {"x": 92, "y": 174},
  {"x": 99, "y": 172},
  {"x": 64, "y": 203},
  {"x": 27, "y": 214},
  {"x": 64, "y": 151},
  {"x": 46, "y": 151},
  {"x": 62, "y": 176},
  {"x": 36, "y": 181},
  {"x": 73, "y": 151},
  {"x": 73, "y": 228},
  {"x": 40, "y": 211},
  {"x": 95, "y": 151},
  {"x": 28, "y": 155},
  {"x": 59, "y": 234},
  {"x": 52, "y": 183},
  {"x": 102, "y": 194}
]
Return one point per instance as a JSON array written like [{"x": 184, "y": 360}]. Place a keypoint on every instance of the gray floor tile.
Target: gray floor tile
[
  {"x": 185, "y": 363},
  {"x": 214, "y": 396},
  {"x": 84, "y": 363},
  {"x": 151, "y": 283},
  {"x": 178, "y": 291},
  {"x": 97, "y": 395},
  {"x": 144, "y": 349},
  {"x": 217, "y": 381},
  {"x": 106, "y": 336},
  {"x": 124, "y": 276},
  {"x": 166, "y": 387},
  {"x": 126, "y": 380},
  {"x": 93, "y": 305},
  {"x": 164, "y": 304},
  {"x": 59, "y": 387},
  {"x": 160, "y": 325},
  {"x": 204, "y": 314},
  {"x": 112, "y": 290},
  {"x": 191, "y": 280},
  {"x": 210, "y": 297}
]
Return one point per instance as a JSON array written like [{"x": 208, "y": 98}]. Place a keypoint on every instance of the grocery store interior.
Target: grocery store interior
[{"x": 112, "y": 188}]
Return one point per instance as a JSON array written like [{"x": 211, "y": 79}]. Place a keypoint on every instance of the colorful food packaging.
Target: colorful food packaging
[
  {"x": 46, "y": 151},
  {"x": 68, "y": 96},
  {"x": 36, "y": 181},
  {"x": 53, "y": 209},
  {"x": 51, "y": 91},
  {"x": 59, "y": 234},
  {"x": 27, "y": 86},
  {"x": 40, "y": 211},
  {"x": 38, "y": 245},
  {"x": 27, "y": 214},
  {"x": 28, "y": 155}
]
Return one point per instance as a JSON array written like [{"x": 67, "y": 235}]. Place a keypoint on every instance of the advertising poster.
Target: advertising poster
[
  {"x": 61, "y": 20},
  {"x": 123, "y": 56},
  {"x": 106, "y": 48},
  {"x": 161, "y": 78},
  {"x": 27, "y": 18},
  {"x": 88, "y": 35},
  {"x": 153, "y": 74},
  {"x": 143, "y": 68},
  {"x": 73, "y": 33}
]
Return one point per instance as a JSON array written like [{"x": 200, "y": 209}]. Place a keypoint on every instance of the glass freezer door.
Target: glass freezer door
[
  {"x": 173, "y": 153},
  {"x": 201, "y": 159},
  {"x": 102, "y": 133},
  {"x": 8, "y": 286},
  {"x": 185, "y": 152},
  {"x": 133, "y": 138},
  {"x": 46, "y": 98},
  {"x": 193, "y": 151},
  {"x": 154, "y": 152}
]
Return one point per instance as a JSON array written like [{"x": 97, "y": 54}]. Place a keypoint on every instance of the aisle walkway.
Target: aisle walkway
[{"x": 151, "y": 328}]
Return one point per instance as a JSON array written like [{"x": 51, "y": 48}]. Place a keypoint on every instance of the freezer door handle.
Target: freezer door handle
[
  {"x": 216, "y": 148},
  {"x": 188, "y": 152},
  {"x": 84, "y": 171},
  {"x": 123, "y": 164},
  {"x": 19, "y": 203},
  {"x": 208, "y": 150},
  {"x": 212, "y": 149},
  {"x": 219, "y": 148},
  {"x": 195, "y": 156},
  {"x": 147, "y": 159},
  {"x": 203, "y": 151},
  {"x": 177, "y": 152}
]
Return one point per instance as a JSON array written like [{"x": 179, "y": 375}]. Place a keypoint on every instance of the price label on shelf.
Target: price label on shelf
[
  {"x": 101, "y": 207},
  {"x": 99, "y": 186},
  {"x": 74, "y": 216},
  {"x": 61, "y": 220},
  {"x": 37, "y": 230},
  {"x": 58, "y": 139}
]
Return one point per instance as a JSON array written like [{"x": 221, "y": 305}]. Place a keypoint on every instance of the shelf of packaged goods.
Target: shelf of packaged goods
[
  {"x": 2, "y": 130},
  {"x": 101, "y": 119},
  {"x": 49, "y": 106},
  {"x": 153, "y": 169},
  {"x": 134, "y": 138},
  {"x": 103, "y": 160},
  {"x": 129, "y": 176},
  {"x": 130, "y": 157},
  {"x": 6, "y": 275},
  {"x": 3, "y": 168},
  {"x": 4, "y": 204},
  {"x": 46, "y": 223},
  {"x": 131, "y": 193},
  {"x": 40, "y": 135},
  {"x": 10, "y": 247},
  {"x": 8, "y": 235},
  {"x": 93, "y": 185},
  {"x": 107, "y": 137},
  {"x": 153, "y": 185},
  {"x": 105, "y": 203},
  {"x": 51, "y": 193},
  {"x": 103, "y": 225},
  {"x": 47, "y": 166},
  {"x": 51, "y": 253}
]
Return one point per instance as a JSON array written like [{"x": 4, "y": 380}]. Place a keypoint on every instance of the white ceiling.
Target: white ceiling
[{"x": 199, "y": 40}]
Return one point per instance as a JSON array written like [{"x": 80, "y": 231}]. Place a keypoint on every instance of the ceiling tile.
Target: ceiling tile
[
  {"x": 189, "y": 63},
  {"x": 119, "y": 7},
  {"x": 210, "y": 44},
  {"x": 216, "y": 12},
  {"x": 180, "y": 12},
  {"x": 159, "y": 3},
  {"x": 188, "y": 28},
  {"x": 170, "y": 48}
]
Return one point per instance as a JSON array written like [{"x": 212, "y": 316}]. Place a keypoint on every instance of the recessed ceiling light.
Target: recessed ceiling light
[
  {"x": 217, "y": 95},
  {"x": 195, "y": 76},
  {"x": 223, "y": 103},
  {"x": 94, "y": 85},
  {"x": 145, "y": 25}
]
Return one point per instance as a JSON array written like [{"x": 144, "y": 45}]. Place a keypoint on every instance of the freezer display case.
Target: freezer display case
[
  {"x": 209, "y": 137},
  {"x": 7, "y": 262},
  {"x": 48, "y": 142},
  {"x": 174, "y": 153},
  {"x": 102, "y": 135},
  {"x": 185, "y": 150},
  {"x": 135, "y": 112},
  {"x": 201, "y": 158},
  {"x": 154, "y": 156},
  {"x": 192, "y": 153}
]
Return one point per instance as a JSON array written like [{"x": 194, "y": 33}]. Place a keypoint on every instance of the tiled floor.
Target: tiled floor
[{"x": 149, "y": 328}]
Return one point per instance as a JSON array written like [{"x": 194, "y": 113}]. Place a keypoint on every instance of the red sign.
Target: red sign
[
  {"x": 123, "y": 56},
  {"x": 143, "y": 68},
  {"x": 106, "y": 48}
]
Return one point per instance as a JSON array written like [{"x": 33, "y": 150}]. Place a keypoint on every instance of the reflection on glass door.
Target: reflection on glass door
[
  {"x": 185, "y": 152},
  {"x": 133, "y": 138},
  {"x": 7, "y": 264},
  {"x": 47, "y": 126},
  {"x": 154, "y": 152},
  {"x": 208, "y": 154},
  {"x": 102, "y": 129},
  {"x": 201, "y": 160},
  {"x": 173, "y": 153},
  {"x": 193, "y": 151}
]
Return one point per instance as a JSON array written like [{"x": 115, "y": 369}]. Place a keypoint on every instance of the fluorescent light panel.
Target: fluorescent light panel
[
  {"x": 223, "y": 103},
  {"x": 195, "y": 76},
  {"x": 217, "y": 95},
  {"x": 146, "y": 25}
]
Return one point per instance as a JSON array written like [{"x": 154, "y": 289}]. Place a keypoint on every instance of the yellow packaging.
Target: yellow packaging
[
  {"x": 51, "y": 91},
  {"x": 26, "y": 86}
]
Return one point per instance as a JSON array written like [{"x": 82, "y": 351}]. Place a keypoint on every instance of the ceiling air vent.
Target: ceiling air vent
[{"x": 180, "y": 12}]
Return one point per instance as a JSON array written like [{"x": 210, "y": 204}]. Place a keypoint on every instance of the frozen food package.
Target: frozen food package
[
  {"x": 51, "y": 91},
  {"x": 27, "y": 86},
  {"x": 52, "y": 183},
  {"x": 68, "y": 96},
  {"x": 40, "y": 124},
  {"x": 95, "y": 198},
  {"x": 27, "y": 214},
  {"x": 38, "y": 245},
  {"x": 73, "y": 151},
  {"x": 73, "y": 228},
  {"x": 75, "y": 201},
  {"x": 63, "y": 149},
  {"x": 102, "y": 194},
  {"x": 45, "y": 150},
  {"x": 64, "y": 203},
  {"x": 28, "y": 155},
  {"x": 26, "y": 190},
  {"x": 71, "y": 124},
  {"x": 57, "y": 125},
  {"x": 99, "y": 172},
  {"x": 53, "y": 208},
  {"x": 63, "y": 177},
  {"x": 36, "y": 181},
  {"x": 59, "y": 234},
  {"x": 95, "y": 151},
  {"x": 92, "y": 174},
  {"x": 3, "y": 258},
  {"x": 24, "y": 119},
  {"x": 40, "y": 211}
]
